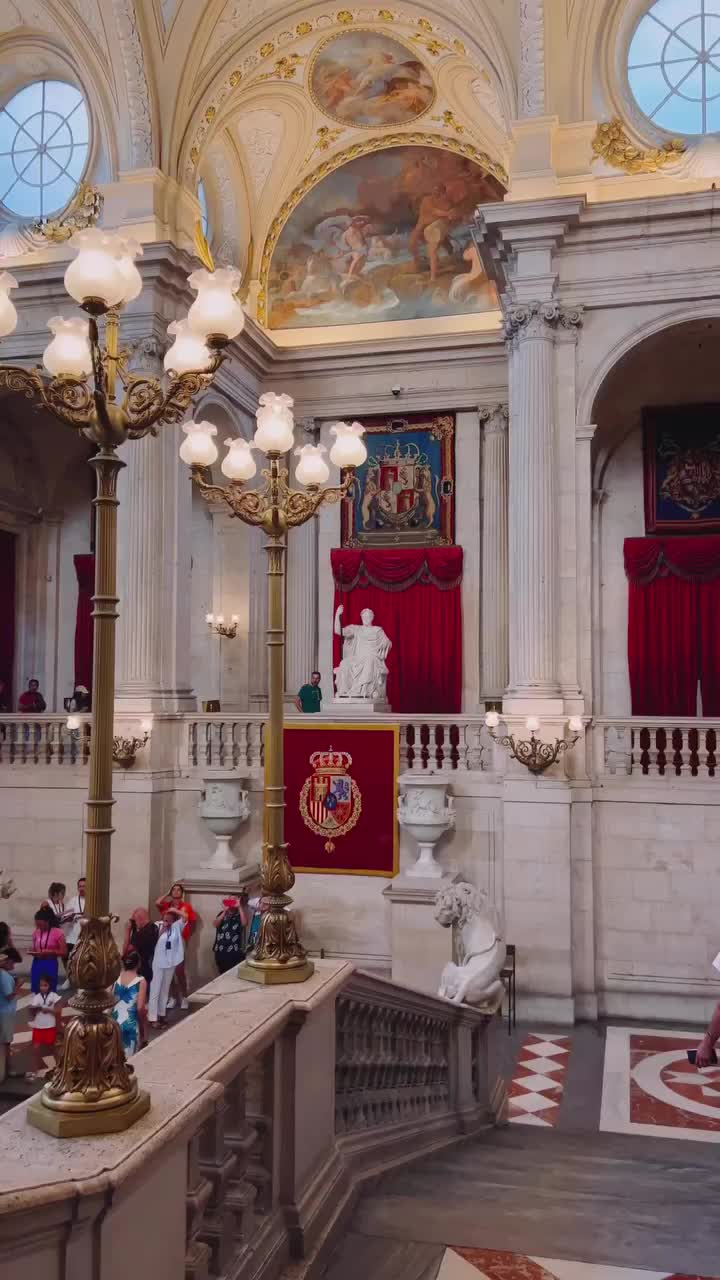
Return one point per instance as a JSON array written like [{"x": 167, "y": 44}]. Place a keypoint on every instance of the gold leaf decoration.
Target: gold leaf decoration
[
  {"x": 210, "y": 114},
  {"x": 612, "y": 144},
  {"x": 424, "y": 25},
  {"x": 324, "y": 139},
  {"x": 344, "y": 16},
  {"x": 449, "y": 121},
  {"x": 202, "y": 248},
  {"x": 234, "y": 79},
  {"x": 83, "y": 211},
  {"x": 303, "y": 28},
  {"x": 386, "y": 15},
  {"x": 266, "y": 49}
]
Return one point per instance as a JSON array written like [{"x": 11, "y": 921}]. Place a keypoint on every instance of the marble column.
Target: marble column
[
  {"x": 257, "y": 623},
  {"x": 494, "y": 625},
  {"x": 533, "y": 525},
  {"x": 154, "y": 520},
  {"x": 301, "y": 654}
]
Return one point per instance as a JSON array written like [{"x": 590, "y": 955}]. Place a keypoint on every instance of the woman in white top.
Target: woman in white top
[
  {"x": 169, "y": 952},
  {"x": 72, "y": 916}
]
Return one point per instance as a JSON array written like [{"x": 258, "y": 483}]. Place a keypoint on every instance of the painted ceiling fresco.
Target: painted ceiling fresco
[
  {"x": 366, "y": 78},
  {"x": 384, "y": 237}
]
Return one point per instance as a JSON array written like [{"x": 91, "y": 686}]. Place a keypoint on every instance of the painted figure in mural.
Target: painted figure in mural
[
  {"x": 367, "y": 78},
  {"x": 362, "y": 673},
  {"x": 384, "y": 237}
]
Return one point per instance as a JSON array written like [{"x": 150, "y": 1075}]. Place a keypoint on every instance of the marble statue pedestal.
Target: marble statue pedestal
[
  {"x": 356, "y": 708},
  {"x": 420, "y": 947}
]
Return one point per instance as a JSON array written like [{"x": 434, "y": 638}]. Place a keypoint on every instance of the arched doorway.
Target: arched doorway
[{"x": 675, "y": 366}]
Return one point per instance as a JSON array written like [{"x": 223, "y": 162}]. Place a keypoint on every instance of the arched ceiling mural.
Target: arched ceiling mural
[{"x": 383, "y": 236}]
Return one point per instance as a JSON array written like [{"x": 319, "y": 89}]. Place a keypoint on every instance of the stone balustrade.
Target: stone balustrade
[
  {"x": 43, "y": 740},
  {"x": 269, "y": 1107},
  {"x": 656, "y": 747}
]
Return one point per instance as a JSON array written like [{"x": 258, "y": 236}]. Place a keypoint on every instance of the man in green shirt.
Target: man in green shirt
[{"x": 309, "y": 698}]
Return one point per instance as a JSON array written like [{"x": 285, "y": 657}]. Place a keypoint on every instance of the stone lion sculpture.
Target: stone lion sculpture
[{"x": 481, "y": 951}]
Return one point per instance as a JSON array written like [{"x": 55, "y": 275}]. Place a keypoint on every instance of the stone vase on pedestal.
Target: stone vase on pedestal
[
  {"x": 223, "y": 805},
  {"x": 425, "y": 810}
]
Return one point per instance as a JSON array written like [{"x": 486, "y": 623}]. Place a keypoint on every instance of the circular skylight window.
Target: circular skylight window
[
  {"x": 44, "y": 139},
  {"x": 674, "y": 65}
]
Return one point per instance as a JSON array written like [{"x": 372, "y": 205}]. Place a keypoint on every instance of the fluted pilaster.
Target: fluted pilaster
[
  {"x": 533, "y": 531},
  {"x": 494, "y": 624},
  {"x": 257, "y": 623},
  {"x": 302, "y": 591},
  {"x": 140, "y": 579}
]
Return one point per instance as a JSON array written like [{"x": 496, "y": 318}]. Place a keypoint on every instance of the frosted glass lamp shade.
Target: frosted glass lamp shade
[
  {"x": 129, "y": 250},
  {"x": 216, "y": 311},
  {"x": 275, "y": 423},
  {"x": 73, "y": 722},
  {"x": 492, "y": 719},
  {"x": 532, "y": 724},
  {"x": 349, "y": 448},
  {"x": 68, "y": 355},
  {"x": 198, "y": 449},
  {"x": 188, "y": 353},
  {"x": 8, "y": 314},
  {"x": 238, "y": 463},
  {"x": 95, "y": 273},
  {"x": 575, "y": 724},
  {"x": 312, "y": 469}
]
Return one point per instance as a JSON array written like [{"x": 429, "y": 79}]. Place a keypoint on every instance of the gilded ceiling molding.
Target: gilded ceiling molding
[
  {"x": 381, "y": 143},
  {"x": 141, "y": 149},
  {"x": 436, "y": 40},
  {"x": 612, "y": 144},
  {"x": 531, "y": 80},
  {"x": 83, "y": 211}
]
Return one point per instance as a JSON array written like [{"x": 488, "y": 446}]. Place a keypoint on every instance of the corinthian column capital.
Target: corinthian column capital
[{"x": 540, "y": 319}]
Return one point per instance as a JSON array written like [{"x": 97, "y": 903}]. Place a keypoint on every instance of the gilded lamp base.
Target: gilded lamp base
[
  {"x": 269, "y": 973},
  {"x": 92, "y": 1089},
  {"x": 88, "y": 1122}
]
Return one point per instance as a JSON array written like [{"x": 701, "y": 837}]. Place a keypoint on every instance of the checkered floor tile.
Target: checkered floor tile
[{"x": 538, "y": 1079}]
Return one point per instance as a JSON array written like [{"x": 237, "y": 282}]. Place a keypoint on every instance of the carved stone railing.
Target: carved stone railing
[
  {"x": 656, "y": 747},
  {"x": 259, "y": 1135},
  {"x": 441, "y": 743},
  {"x": 43, "y": 740}
]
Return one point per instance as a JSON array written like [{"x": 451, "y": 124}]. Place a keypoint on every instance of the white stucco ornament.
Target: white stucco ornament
[
  {"x": 481, "y": 951},
  {"x": 426, "y": 812},
  {"x": 362, "y": 672}
]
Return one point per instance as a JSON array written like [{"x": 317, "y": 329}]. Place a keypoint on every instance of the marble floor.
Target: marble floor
[{"x": 606, "y": 1172}]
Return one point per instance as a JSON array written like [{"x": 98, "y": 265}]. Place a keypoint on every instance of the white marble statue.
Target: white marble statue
[
  {"x": 481, "y": 950},
  {"x": 362, "y": 673}
]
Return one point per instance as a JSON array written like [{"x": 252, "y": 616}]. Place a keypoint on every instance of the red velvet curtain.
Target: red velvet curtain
[
  {"x": 85, "y": 571},
  {"x": 415, "y": 596},
  {"x": 7, "y": 614},
  {"x": 674, "y": 624},
  {"x": 663, "y": 648}
]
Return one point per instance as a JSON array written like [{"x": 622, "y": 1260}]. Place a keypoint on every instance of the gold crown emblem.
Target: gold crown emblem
[{"x": 331, "y": 761}]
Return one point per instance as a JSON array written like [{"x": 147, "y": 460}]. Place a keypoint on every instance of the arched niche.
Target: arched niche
[{"x": 668, "y": 364}]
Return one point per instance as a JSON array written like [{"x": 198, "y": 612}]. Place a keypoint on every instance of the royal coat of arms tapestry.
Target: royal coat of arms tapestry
[
  {"x": 404, "y": 494},
  {"x": 681, "y": 455},
  {"x": 341, "y": 798}
]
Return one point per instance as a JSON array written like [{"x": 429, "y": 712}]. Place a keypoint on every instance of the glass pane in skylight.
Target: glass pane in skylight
[{"x": 35, "y": 182}]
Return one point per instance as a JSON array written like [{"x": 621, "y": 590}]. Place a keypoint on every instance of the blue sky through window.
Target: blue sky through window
[{"x": 44, "y": 139}]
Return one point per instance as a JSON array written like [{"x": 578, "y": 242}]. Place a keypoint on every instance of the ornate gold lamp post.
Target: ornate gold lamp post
[
  {"x": 279, "y": 955},
  {"x": 91, "y": 389}
]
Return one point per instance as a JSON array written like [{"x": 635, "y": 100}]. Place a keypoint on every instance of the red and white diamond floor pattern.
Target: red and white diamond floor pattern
[{"x": 538, "y": 1080}]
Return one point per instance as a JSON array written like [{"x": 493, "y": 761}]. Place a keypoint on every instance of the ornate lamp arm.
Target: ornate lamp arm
[{"x": 291, "y": 507}]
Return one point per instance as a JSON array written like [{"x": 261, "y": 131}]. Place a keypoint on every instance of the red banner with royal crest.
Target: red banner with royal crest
[{"x": 341, "y": 797}]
